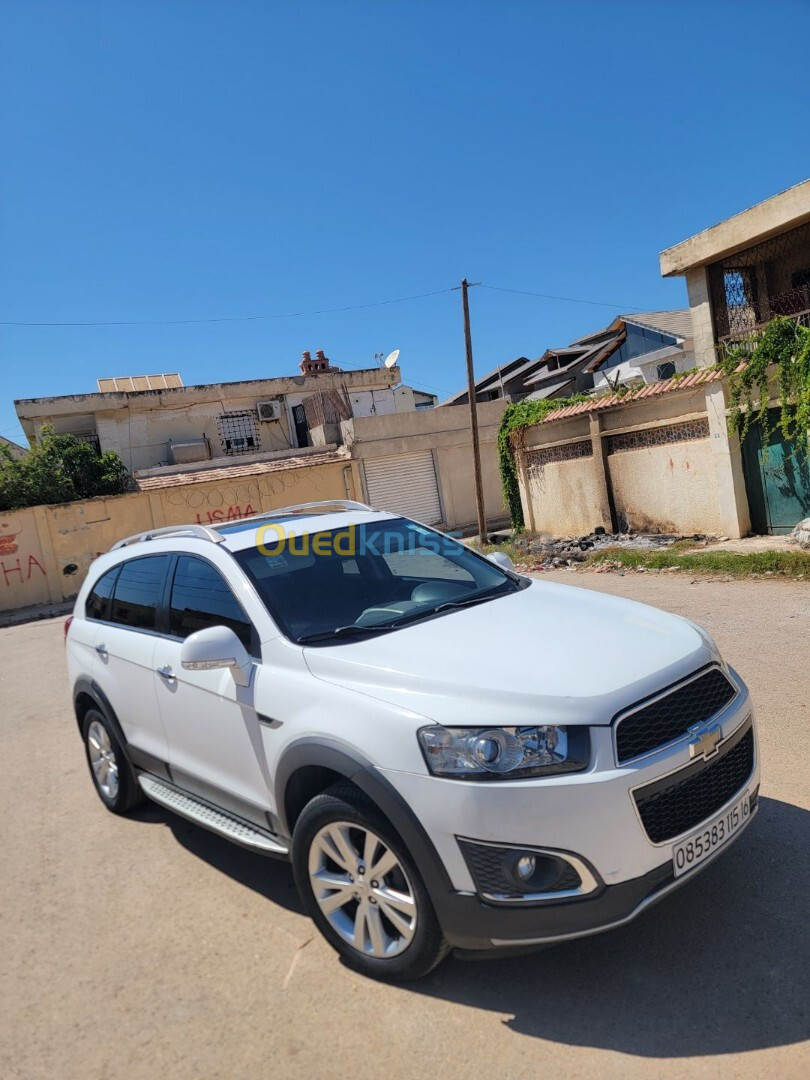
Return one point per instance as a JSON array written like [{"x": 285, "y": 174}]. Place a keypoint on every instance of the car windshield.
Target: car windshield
[{"x": 365, "y": 579}]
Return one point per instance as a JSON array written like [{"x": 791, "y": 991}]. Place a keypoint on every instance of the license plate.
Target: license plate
[{"x": 708, "y": 838}]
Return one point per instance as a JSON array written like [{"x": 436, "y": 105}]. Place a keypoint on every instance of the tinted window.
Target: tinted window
[
  {"x": 138, "y": 592},
  {"x": 202, "y": 598},
  {"x": 96, "y": 605}
]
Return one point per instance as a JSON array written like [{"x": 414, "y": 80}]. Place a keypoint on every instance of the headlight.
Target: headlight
[{"x": 504, "y": 753}]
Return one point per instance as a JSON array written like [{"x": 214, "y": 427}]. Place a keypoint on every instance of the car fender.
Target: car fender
[
  {"x": 85, "y": 686},
  {"x": 348, "y": 762}
]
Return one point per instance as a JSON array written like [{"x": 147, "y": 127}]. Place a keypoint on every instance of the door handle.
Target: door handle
[
  {"x": 166, "y": 673},
  {"x": 101, "y": 650}
]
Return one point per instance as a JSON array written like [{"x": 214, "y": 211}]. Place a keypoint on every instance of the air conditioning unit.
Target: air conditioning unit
[{"x": 269, "y": 410}]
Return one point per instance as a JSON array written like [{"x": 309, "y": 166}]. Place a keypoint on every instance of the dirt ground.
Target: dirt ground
[{"x": 146, "y": 947}]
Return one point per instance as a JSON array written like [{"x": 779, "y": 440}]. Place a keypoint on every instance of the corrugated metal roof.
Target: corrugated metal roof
[
  {"x": 677, "y": 323},
  {"x": 238, "y": 472},
  {"x": 611, "y": 401}
]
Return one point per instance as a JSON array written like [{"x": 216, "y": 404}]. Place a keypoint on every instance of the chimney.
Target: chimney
[{"x": 319, "y": 366}]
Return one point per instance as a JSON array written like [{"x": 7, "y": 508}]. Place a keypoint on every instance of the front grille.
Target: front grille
[
  {"x": 669, "y": 717},
  {"x": 679, "y": 802}
]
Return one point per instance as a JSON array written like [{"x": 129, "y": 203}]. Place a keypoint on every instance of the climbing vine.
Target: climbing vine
[
  {"x": 785, "y": 346},
  {"x": 516, "y": 417}
]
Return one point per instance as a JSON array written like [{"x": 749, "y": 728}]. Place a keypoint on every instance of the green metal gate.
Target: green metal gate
[{"x": 777, "y": 479}]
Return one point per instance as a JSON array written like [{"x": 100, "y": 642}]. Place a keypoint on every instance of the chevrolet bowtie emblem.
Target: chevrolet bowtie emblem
[{"x": 706, "y": 744}]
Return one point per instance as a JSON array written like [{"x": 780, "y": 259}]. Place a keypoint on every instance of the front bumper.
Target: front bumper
[
  {"x": 591, "y": 815},
  {"x": 469, "y": 923}
]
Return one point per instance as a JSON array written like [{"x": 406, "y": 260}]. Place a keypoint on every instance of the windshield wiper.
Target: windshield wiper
[
  {"x": 353, "y": 630},
  {"x": 343, "y": 631},
  {"x": 468, "y": 601}
]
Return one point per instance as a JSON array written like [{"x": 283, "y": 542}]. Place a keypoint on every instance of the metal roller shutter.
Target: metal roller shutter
[{"x": 405, "y": 484}]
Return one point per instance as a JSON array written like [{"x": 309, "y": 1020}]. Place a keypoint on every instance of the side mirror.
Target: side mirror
[
  {"x": 502, "y": 560},
  {"x": 217, "y": 647}
]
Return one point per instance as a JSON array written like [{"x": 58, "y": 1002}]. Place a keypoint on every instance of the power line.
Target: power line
[
  {"x": 235, "y": 318},
  {"x": 318, "y": 311},
  {"x": 567, "y": 299}
]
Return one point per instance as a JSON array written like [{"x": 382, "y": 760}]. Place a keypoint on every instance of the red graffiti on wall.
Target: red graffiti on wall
[
  {"x": 10, "y": 529},
  {"x": 25, "y": 573},
  {"x": 233, "y": 513}
]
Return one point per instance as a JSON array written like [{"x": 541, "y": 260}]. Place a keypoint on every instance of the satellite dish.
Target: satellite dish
[{"x": 391, "y": 359}]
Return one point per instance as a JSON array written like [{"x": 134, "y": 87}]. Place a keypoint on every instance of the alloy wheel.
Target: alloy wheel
[
  {"x": 102, "y": 759},
  {"x": 362, "y": 889}
]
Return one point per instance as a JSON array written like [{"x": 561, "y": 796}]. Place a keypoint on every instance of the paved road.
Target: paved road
[{"x": 146, "y": 947}]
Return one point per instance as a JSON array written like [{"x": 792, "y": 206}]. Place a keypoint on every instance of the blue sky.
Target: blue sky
[{"x": 192, "y": 159}]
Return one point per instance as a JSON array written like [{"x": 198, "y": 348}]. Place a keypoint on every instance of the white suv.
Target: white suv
[{"x": 451, "y": 755}]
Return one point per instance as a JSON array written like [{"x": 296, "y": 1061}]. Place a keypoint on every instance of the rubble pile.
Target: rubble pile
[{"x": 545, "y": 553}]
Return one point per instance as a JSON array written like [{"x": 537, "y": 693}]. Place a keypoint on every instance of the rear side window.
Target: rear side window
[
  {"x": 138, "y": 592},
  {"x": 200, "y": 598},
  {"x": 97, "y": 604}
]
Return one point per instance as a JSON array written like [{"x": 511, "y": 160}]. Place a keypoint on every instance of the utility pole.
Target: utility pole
[{"x": 479, "y": 485}]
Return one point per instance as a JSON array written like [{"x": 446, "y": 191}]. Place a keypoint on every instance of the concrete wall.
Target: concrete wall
[
  {"x": 663, "y": 464},
  {"x": 23, "y": 577},
  {"x": 666, "y": 488},
  {"x": 45, "y": 552},
  {"x": 565, "y": 495},
  {"x": 446, "y": 432},
  {"x": 215, "y": 502}
]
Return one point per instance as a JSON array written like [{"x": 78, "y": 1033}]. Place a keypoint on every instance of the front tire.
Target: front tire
[
  {"x": 362, "y": 889},
  {"x": 113, "y": 776}
]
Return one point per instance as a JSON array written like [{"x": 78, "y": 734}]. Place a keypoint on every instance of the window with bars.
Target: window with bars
[
  {"x": 239, "y": 432},
  {"x": 770, "y": 278},
  {"x": 89, "y": 437}
]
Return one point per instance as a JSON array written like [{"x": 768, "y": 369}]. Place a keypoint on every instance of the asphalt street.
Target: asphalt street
[{"x": 144, "y": 946}]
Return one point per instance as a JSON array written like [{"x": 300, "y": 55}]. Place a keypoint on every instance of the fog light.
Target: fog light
[{"x": 525, "y": 867}]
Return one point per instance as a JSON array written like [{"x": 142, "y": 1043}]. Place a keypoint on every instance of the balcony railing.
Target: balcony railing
[{"x": 751, "y": 287}]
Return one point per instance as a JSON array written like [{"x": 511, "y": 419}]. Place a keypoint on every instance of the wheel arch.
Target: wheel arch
[
  {"x": 87, "y": 694},
  {"x": 311, "y": 765}
]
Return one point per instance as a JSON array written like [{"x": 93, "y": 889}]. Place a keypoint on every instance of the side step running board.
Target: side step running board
[{"x": 240, "y": 832}]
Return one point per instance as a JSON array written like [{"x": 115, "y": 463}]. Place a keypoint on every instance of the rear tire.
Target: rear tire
[
  {"x": 362, "y": 889},
  {"x": 113, "y": 777}
]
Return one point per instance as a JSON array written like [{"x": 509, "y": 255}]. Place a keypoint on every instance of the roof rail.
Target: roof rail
[
  {"x": 300, "y": 508},
  {"x": 201, "y": 532},
  {"x": 204, "y": 532}
]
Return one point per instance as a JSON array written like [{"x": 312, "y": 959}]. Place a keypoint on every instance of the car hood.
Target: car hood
[{"x": 547, "y": 654}]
